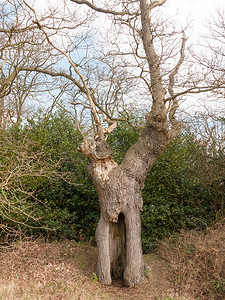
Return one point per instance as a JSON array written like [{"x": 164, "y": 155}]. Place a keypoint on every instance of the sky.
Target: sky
[
  {"x": 197, "y": 11},
  {"x": 200, "y": 12}
]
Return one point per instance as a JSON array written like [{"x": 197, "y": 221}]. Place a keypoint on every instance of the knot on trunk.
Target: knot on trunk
[
  {"x": 102, "y": 149},
  {"x": 96, "y": 149},
  {"x": 157, "y": 120},
  {"x": 111, "y": 213}
]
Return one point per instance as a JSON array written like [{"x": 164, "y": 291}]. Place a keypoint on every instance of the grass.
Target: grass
[
  {"x": 37, "y": 270},
  {"x": 66, "y": 270}
]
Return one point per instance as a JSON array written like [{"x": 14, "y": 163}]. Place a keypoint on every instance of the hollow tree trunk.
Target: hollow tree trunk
[
  {"x": 119, "y": 230},
  {"x": 119, "y": 188}
]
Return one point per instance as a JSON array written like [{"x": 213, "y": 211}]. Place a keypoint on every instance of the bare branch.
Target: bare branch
[
  {"x": 156, "y": 3},
  {"x": 2, "y": 64},
  {"x": 195, "y": 90},
  {"x": 172, "y": 108},
  {"x": 93, "y": 109},
  {"x": 176, "y": 69},
  {"x": 102, "y": 10},
  {"x": 157, "y": 89}
]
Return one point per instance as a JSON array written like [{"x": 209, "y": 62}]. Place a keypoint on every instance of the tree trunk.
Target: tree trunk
[
  {"x": 2, "y": 107},
  {"x": 118, "y": 233},
  {"x": 119, "y": 188}
]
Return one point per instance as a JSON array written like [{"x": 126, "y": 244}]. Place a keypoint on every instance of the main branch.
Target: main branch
[{"x": 102, "y": 10}]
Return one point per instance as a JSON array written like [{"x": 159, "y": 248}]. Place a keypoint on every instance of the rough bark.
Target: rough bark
[
  {"x": 119, "y": 231},
  {"x": 2, "y": 106},
  {"x": 119, "y": 188}
]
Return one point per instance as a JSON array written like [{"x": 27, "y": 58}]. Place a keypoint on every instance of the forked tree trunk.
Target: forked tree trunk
[
  {"x": 119, "y": 188},
  {"x": 119, "y": 230}
]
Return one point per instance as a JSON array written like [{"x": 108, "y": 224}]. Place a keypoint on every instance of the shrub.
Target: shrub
[
  {"x": 175, "y": 196},
  {"x": 184, "y": 190},
  {"x": 70, "y": 204},
  {"x": 197, "y": 262},
  {"x": 21, "y": 168}
]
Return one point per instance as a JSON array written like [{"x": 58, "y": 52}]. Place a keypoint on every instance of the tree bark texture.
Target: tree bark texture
[{"x": 119, "y": 189}]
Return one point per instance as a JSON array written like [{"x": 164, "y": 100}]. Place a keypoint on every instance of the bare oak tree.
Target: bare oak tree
[
  {"x": 15, "y": 49},
  {"x": 120, "y": 187}
]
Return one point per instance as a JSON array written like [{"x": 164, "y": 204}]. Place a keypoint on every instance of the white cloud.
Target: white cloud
[{"x": 197, "y": 10}]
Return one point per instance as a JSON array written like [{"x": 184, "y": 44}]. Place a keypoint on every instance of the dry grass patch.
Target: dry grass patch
[
  {"x": 197, "y": 263},
  {"x": 194, "y": 270},
  {"x": 32, "y": 270},
  {"x": 37, "y": 270}
]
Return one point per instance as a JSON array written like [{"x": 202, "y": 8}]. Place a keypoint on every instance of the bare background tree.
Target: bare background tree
[{"x": 23, "y": 45}]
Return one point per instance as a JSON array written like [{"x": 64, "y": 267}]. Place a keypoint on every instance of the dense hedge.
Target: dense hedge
[
  {"x": 177, "y": 193},
  {"x": 183, "y": 190}
]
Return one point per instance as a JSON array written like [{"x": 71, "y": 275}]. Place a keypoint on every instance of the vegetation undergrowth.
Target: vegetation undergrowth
[{"x": 197, "y": 262}]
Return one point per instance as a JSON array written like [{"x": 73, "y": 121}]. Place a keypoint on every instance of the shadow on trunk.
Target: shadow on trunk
[{"x": 117, "y": 246}]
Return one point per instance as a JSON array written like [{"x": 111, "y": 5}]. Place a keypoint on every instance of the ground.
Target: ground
[{"x": 66, "y": 270}]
